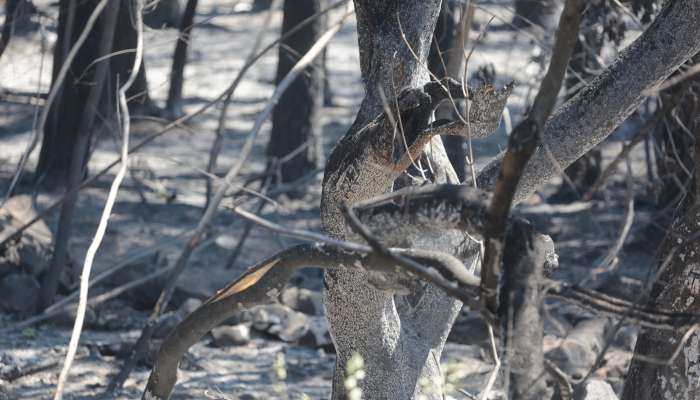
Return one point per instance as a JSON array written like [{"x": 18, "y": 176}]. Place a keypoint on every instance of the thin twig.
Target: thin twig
[
  {"x": 497, "y": 366},
  {"x": 210, "y": 212},
  {"x": 252, "y": 58},
  {"x": 219, "y": 140},
  {"x": 104, "y": 219},
  {"x": 144, "y": 142},
  {"x": 522, "y": 144}
]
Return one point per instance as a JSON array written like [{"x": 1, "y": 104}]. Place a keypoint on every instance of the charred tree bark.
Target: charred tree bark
[
  {"x": 85, "y": 93},
  {"x": 68, "y": 112},
  {"x": 296, "y": 130},
  {"x": 138, "y": 97},
  {"x": 164, "y": 14},
  {"x": 173, "y": 106}
]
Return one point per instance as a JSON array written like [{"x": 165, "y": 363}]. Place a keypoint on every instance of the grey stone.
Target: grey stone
[
  {"x": 19, "y": 293},
  {"x": 231, "y": 335},
  {"x": 32, "y": 251},
  {"x": 5, "y": 393},
  {"x": 66, "y": 318},
  {"x": 303, "y": 300},
  {"x": 626, "y": 337},
  {"x": 317, "y": 335},
  {"x": 596, "y": 389},
  {"x": 293, "y": 327},
  {"x": 267, "y": 317},
  {"x": 579, "y": 350}
]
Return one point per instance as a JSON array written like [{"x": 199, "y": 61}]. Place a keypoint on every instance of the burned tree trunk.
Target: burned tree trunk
[
  {"x": 173, "y": 107},
  {"x": 163, "y": 14},
  {"x": 521, "y": 313},
  {"x": 67, "y": 119},
  {"x": 295, "y": 139},
  {"x": 86, "y": 92},
  {"x": 13, "y": 9},
  {"x": 138, "y": 97},
  {"x": 68, "y": 116},
  {"x": 396, "y": 351}
]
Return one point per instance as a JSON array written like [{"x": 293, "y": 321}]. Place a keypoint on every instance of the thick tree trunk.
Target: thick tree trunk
[
  {"x": 11, "y": 10},
  {"x": 173, "y": 106},
  {"x": 295, "y": 121},
  {"x": 68, "y": 111},
  {"x": 677, "y": 288},
  {"x": 400, "y": 338},
  {"x": 139, "y": 99}
]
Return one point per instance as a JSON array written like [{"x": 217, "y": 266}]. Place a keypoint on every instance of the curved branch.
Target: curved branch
[{"x": 258, "y": 286}]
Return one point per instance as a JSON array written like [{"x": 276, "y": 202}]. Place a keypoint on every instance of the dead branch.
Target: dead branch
[
  {"x": 210, "y": 212},
  {"x": 522, "y": 144},
  {"x": 80, "y": 147},
  {"x": 255, "y": 287},
  {"x": 111, "y": 199},
  {"x": 252, "y": 58},
  {"x": 589, "y": 117},
  {"x": 144, "y": 142},
  {"x": 264, "y": 282}
]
